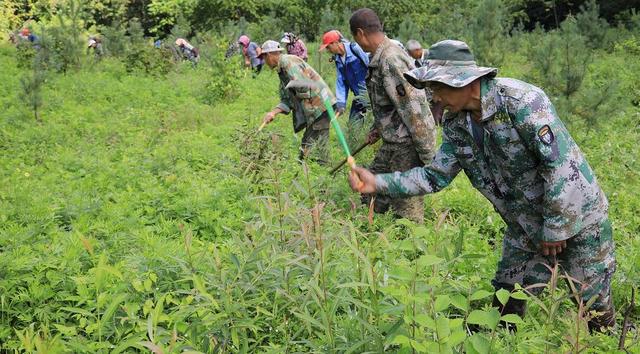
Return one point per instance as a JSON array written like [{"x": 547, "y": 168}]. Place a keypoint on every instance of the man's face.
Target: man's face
[
  {"x": 272, "y": 59},
  {"x": 360, "y": 37},
  {"x": 416, "y": 53},
  {"x": 451, "y": 98},
  {"x": 334, "y": 48}
]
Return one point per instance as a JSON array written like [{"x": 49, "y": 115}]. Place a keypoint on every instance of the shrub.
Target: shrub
[
  {"x": 222, "y": 74},
  {"x": 142, "y": 56},
  {"x": 65, "y": 45}
]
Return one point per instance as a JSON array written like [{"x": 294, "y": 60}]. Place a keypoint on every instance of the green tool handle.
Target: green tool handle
[
  {"x": 336, "y": 125},
  {"x": 350, "y": 161}
]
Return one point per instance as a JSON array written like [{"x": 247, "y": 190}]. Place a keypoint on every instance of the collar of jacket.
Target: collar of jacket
[
  {"x": 375, "y": 59},
  {"x": 283, "y": 62},
  {"x": 490, "y": 99},
  {"x": 347, "y": 50}
]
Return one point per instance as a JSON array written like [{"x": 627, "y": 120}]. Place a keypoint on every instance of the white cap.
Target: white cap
[{"x": 412, "y": 44}]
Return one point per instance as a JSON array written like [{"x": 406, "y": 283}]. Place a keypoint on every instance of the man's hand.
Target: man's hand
[
  {"x": 553, "y": 248},
  {"x": 268, "y": 118},
  {"x": 373, "y": 137},
  {"x": 339, "y": 111},
  {"x": 362, "y": 181}
]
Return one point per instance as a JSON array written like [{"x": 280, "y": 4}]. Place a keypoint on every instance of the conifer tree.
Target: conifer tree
[
  {"x": 489, "y": 29},
  {"x": 32, "y": 82}
]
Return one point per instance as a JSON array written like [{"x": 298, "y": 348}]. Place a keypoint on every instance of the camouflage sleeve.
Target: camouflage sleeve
[
  {"x": 285, "y": 99},
  {"x": 422, "y": 180},
  {"x": 567, "y": 177},
  {"x": 412, "y": 106}
]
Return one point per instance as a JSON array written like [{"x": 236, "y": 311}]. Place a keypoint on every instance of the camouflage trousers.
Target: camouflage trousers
[
  {"x": 589, "y": 259},
  {"x": 398, "y": 157},
  {"x": 314, "y": 141}
]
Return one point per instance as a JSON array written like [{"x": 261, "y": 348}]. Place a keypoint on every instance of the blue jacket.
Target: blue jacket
[{"x": 352, "y": 75}]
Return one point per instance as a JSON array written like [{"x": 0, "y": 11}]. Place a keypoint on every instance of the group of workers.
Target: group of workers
[
  {"x": 183, "y": 50},
  {"x": 503, "y": 133}
]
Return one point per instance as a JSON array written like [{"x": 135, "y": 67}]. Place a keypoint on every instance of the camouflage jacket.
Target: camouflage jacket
[
  {"x": 527, "y": 165},
  {"x": 401, "y": 112},
  {"x": 301, "y": 100}
]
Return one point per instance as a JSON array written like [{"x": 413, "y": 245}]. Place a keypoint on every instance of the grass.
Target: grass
[{"x": 135, "y": 217}]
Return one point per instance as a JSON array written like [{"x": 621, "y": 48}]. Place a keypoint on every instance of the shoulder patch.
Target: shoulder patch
[
  {"x": 401, "y": 91},
  {"x": 546, "y": 135}
]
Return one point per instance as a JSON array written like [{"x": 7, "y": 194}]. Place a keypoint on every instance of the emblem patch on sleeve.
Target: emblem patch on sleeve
[
  {"x": 400, "y": 90},
  {"x": 546, "y": 135}
]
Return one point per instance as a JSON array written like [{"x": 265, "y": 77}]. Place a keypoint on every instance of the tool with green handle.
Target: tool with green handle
[{"x": 324, "y": 95}]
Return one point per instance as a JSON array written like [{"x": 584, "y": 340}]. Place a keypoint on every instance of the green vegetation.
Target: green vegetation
[{"x": 142, "y": 211}]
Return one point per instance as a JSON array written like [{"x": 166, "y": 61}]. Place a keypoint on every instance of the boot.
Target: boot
[{"x": 602, "y": 322}]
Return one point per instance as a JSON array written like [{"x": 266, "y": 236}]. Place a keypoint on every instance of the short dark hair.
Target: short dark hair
[{"x": 366, "y": 19}]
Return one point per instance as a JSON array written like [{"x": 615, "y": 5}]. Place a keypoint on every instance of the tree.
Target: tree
[
  {"x": 591, "y": 25},
  {"x": 408, "y": 30},
  {"x": 65, "y": 43},
  {"x": 489, "y": 28},
  {"x": 32, "y": 82}
]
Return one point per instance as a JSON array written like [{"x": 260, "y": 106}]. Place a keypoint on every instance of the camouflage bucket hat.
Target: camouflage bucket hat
[{"x": 451, "y": 63}]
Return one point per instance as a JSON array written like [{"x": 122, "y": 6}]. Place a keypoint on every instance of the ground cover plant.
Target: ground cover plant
[{"x": 141, "y": 211}]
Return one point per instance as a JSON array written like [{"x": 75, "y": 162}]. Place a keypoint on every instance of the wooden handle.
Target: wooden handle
[
  {"x": 337, "y": 168},
  {"x": 352, "y": 164},
  {"x": 262, "y": 126}
]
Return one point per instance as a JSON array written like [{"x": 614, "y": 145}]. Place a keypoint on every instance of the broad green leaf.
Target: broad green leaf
[
  {"x": 442, "y": 328},
  {"x": 493, "y": 318},
  {"x": 478, "y": 317},
  {"x": 137, "y": 285},
  {"x": 487, "y": 318},
  {"x": 401, "y": 272},
  {"x": 428, "y": 260},
  {"x": 503, "y": 296},
  {"x": 401, "y": 340},
  {"x": 457, "y": 337},
  {"x": 66, "y": 330},
  {"x": 480, "y": 294},
  {"x": 456, "y": 322},
  {"x": 512, "y": 318},
  {"x": 442, "y": 302},
  {"x": 425, "y": 320},
  {"x": 519, "y": 295},
  {"x": 460, "y": 301},
  {"x": 480, "y": 343},
  {"x": 418, "y": 346}
]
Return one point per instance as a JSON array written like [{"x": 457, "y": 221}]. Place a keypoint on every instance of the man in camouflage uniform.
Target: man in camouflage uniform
[
  {"x": 401, "y": 112},
  {"x": 507, "y": 138},
  {"x": 306, "y": 102}
]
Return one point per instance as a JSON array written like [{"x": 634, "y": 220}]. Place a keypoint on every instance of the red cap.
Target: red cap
[{"x": 330, "y": 37}]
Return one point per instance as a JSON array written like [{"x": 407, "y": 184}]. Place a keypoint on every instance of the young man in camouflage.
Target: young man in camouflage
[
  {"x": 507, "y": 138},
  {"x": 401, "y": 112},
  {"x": 306, "y": 103}
]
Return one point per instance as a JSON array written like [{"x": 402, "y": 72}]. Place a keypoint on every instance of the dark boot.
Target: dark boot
[{"x": 604, "y": 321}]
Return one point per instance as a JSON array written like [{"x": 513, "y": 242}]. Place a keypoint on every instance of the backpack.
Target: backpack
[{"x": 355, "y": 52}]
